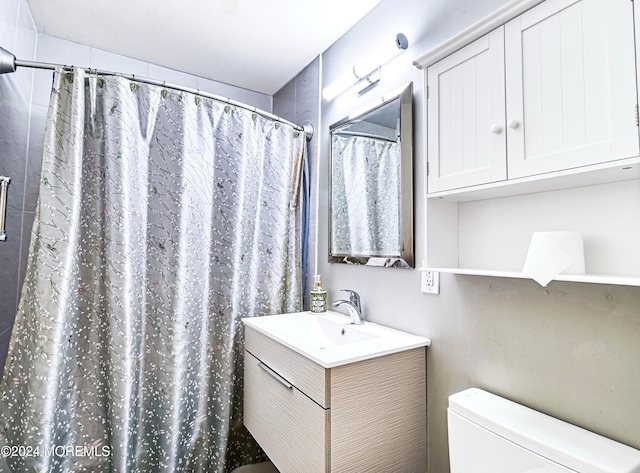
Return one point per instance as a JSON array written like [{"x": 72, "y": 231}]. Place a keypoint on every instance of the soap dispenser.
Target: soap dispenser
[{"x": 318, "y": 297}]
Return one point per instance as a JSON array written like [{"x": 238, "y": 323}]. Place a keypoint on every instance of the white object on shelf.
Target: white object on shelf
[{"x": 553, "y": 253}]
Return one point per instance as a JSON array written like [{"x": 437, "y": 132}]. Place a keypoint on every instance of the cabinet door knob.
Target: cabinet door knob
[
  {"x": 513, "y": 124},
  {"x": 496, "y": 129}
]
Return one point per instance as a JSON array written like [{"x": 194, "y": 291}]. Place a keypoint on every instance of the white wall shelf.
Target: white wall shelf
[
  {"x": 585, "y": 278},
  {"x": 491, "y": 237}
]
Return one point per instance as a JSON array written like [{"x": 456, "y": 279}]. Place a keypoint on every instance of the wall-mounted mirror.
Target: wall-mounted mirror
[{"x": 371, "y": 186}]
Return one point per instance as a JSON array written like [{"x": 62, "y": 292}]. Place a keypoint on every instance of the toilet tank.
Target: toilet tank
[{"x": 490, "y": 434}]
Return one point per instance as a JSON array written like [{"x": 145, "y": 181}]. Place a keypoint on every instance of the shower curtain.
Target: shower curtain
[
  {"x": 365, "y": 196},
  {"x": 164, "y": 217}
]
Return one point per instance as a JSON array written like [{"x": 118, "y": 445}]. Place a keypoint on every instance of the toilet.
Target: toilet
[{"x": 490, "y": 434}]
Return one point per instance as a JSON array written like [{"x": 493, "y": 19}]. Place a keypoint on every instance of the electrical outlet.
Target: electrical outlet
[{"x": 431, "y": 282}]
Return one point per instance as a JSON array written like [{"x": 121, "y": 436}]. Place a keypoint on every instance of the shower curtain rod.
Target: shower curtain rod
[
  {"x": 366, "y": 135},
  {"x": 9, "y": 63}
]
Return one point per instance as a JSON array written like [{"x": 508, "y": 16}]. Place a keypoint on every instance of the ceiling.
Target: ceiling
[{"x": 255, "y": 44}]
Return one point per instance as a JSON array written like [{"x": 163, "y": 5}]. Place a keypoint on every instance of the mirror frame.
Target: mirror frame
[{"x": 406, "y": 184}]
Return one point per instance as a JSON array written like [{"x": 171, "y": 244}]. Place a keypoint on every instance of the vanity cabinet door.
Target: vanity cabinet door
[
  {"x": 287, "y": 424},
  {"x": 571, "y": 86},
  {"x": 466, "y": 106}
]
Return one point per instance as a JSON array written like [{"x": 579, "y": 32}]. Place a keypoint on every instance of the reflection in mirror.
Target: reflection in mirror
[{"x": 371, "y": 203}]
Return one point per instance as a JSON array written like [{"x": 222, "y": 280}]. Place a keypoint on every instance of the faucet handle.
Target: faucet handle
[{"x": 354, "y": 297}]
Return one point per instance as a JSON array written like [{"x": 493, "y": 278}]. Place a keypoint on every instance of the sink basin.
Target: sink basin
[
  {"x": 330, "y": 340},
  {"x": 319, "y": 332}
]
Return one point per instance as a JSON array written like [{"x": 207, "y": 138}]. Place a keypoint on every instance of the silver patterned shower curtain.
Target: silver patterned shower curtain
[
  {"x": 164, "y": 217},
  {"x": 365, "y": 197}
]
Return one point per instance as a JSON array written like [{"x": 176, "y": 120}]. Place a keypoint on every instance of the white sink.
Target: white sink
[
  {"x": 330, "y": 340},
  {"x": 319, "y": 332}
]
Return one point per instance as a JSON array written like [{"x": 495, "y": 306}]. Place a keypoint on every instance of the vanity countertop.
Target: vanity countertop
[{"x": 330, "y": 340}]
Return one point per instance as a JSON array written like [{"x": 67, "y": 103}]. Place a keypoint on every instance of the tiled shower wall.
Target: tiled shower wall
[
  {"x": 298, "y": 102},
  {"x": 18, "y": 35},
  {"x": 24, "y": 100}
]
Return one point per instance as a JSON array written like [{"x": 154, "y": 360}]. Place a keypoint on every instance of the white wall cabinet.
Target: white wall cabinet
[
  {"x": 569, "y": 93},
  {"x": 363, "y": 416},
  {"x": 571, "y": 135},
  {"x": 571, "y": 86},
  {"x": 466, "y": 136}
]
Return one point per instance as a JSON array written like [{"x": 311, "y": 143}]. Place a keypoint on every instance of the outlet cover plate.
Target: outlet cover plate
[{"x": 430, "y": 282}]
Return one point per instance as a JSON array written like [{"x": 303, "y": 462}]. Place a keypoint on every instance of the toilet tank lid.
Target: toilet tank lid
[{"x": 563, "y": 443}]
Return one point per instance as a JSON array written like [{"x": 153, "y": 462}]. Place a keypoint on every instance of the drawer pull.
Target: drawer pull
[{"x": 275, "y": 375}]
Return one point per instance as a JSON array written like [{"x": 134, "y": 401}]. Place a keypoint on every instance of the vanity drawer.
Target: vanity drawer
[
  {"x": 309, "y": 377},
  {"x": 288, "y": 425}
]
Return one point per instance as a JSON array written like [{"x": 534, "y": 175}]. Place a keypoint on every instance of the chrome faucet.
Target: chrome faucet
[{"x": 353, "y": 306}]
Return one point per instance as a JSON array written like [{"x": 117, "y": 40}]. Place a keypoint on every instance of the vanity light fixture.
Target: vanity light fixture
[
  {"x": 368, "y": 81},
  {"x": 366, "y": 77}
]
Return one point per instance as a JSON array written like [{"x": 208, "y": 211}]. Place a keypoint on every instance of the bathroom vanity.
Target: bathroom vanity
[{"x": 322, "y": 395}]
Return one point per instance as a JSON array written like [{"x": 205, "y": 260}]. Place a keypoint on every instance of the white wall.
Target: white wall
[{"x": 571, "y": 350}]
